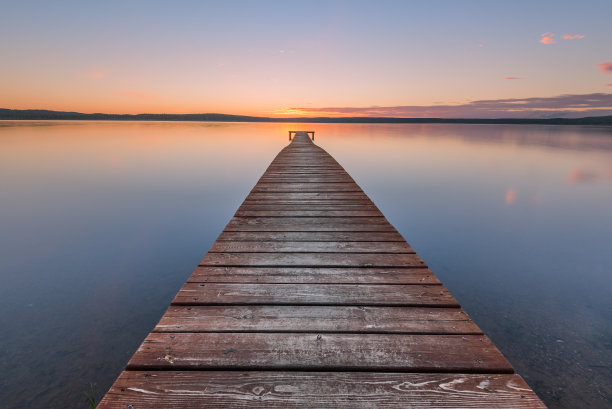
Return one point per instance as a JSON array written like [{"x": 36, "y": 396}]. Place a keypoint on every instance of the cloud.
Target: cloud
[
  {"x": 512, "y": 78},
  {"x": 547, "y": 38},
  {"x": 563, "y": 106},
  {"x": 94, "y": 74},
  {"x": 605, "y": 67},
  {"x": 609, "y": 85},
  {"x": 573, "y": 36},
  {"x": 137, "y": 94}
]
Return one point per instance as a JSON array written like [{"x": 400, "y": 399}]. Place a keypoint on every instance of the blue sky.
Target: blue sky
[{"x": 295, "y": 58}]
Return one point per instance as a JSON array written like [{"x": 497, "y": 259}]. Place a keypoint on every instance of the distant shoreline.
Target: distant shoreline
[{"x": 42, "y": 115}]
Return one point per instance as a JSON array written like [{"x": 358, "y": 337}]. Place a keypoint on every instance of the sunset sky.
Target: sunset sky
[{"x": 316, "y": 58}]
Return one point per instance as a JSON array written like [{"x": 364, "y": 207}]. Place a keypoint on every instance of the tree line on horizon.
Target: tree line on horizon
[{"x": 40, "y": 114}]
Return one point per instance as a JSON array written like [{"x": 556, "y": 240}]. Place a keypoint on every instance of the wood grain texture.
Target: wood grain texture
[
  {"x": 269, "y": 318},
  {"x": 356, "y": 224},
  {"x": 302, "y": 206},
  {"x": 340, "y": 352},
  {"x": 292, "y": 171},
  {"x": 319, "y": 179},
  {"x": 313, "y": 259},
  {"x": 308, "y": 196},
  {"x": 306, "y": 187},
  {"x": 314, "y": 294},
  {"x": 280, "y": 390},
  {"x": 308, "y": 213},
  {"x": 324, "y": 236},
  {"x": 312, "y": 275},
  {"x": 310, "y": 283},
  {"x": 299, "y": 221},
  {"x": 312, "y": 203},
  {"x": 310, "y": 247}
]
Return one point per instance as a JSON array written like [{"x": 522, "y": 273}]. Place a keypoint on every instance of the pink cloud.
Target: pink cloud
[
  {"x": 562, "y": 106},
  {"x": 94, "y": 74},
  {"x": 573, "y": 36},
  {"x": 547, "y": 38},
  {"x": 605, "y": 67},
  {"x": 512, "y": 78},
  {"x": 609, "y": 85},
  {"x": 137, "y": 94}
]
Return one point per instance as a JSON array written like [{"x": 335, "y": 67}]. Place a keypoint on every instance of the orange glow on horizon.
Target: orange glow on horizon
[
  {"x": 311, "y": 113},
  {"x": 300, "y": 60},
  {"x": 286, "y": 112}
]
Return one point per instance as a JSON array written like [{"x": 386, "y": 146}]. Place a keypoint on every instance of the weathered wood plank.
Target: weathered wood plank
[
  {"x": 307, "y": 220},
  {"x": 313, "y": 259},
  {"x": 314, "y": 204},
  {"x": 308, "y": 213},
  {"x": 286, "y": 171},
  {"x": 344, "y": 227},
  {"x": 280, "y": 390},
  {"x": 313, "y": 275},
  {"x": 305, "y": 179},
  {"x": 337, "y": 177},
  {"x": 308, "y": 196},
  {"x": 310, "y": 206},
  {"x": 300, "y": 169},
  {"x": 407, "y": 320},
  {"x": 321, "y": 207},
  {"x": 310, "y": 247},
  {"x": 305, "y": 160},
  {"x": 322, "y": 352},
  {"x": 304, "y": 170},
  {"x": 309, "y": 224},
  {"x": 327, "y": 236},
  {"x": 309, "y": 275},
  {"x": 314, "y": 294},
  {"x": 305, "y": 187}
]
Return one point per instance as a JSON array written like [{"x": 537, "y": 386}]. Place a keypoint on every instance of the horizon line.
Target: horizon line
[{"x": 39, "y": 114}]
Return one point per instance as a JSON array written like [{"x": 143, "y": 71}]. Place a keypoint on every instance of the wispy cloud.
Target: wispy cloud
[
  {"x": 605, "y": 67},
  {"x": 93, "y": 74},
  {"x": 547, "y": 38},
  {"x": 512, "y": 78},
  {"x": 563, "y": 106},
  {"x": 137, "y": 94},
  {"x": 609, "y": 85},
  {"x": 573, "y": 36}
]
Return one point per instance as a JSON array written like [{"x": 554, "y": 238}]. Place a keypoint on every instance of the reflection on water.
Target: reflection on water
[{"x": 102, "y": 222}]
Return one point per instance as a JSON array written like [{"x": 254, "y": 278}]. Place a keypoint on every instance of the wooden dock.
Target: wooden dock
[{"x": 311, "y": 298}]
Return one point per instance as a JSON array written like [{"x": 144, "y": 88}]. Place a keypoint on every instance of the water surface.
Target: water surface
[{"x": 102, "y": 222}]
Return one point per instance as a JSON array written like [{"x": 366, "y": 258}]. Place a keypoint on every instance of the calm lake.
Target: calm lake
[{"x": 102, "y": 222}]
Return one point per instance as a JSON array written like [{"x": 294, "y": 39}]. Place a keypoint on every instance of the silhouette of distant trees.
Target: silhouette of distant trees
[{"x": 38, "y": 114}]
